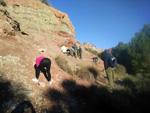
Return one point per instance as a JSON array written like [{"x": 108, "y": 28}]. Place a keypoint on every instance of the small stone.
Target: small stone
[{"x": 42, "y": 84}]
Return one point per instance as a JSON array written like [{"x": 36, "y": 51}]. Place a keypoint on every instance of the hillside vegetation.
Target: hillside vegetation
[{"x": 135, "y": 55}]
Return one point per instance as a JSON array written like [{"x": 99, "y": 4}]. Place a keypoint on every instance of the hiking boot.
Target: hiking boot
[{"x": 35, "y": 80}]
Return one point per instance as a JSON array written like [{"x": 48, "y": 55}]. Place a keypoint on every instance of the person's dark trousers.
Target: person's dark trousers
[
  {"x": 45, "y": 63},
  {"x": 80, "y": 55}
]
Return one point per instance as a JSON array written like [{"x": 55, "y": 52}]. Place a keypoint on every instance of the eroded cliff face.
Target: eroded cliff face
[{"x": 38, "y": 21}]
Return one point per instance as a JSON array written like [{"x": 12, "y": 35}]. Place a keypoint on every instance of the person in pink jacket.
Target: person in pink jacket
[{"x": 42, "y": 64}]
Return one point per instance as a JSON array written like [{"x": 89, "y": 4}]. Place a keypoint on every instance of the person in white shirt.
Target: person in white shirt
[{"x": 63, "y": 49}]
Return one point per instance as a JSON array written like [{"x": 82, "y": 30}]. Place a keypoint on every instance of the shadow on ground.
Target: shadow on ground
[
  {"x": 80, "y": 99},
  {"x": 75, "y": 99},
  {"x": 24, "y": 107},
  {"x": 12, "y": 100}
]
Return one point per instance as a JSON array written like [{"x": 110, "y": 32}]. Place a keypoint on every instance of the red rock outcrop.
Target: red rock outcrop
[{"x": 33, "y": 17}]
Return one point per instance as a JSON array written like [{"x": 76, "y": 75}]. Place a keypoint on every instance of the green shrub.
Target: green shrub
[
  {"x": 2, "y": 3},
  {"x": 136, "y": 85},
  {"x": 63, "y": 64},
  {"x": 128, "y": 83},
  {"x": 143, "y": 86}
]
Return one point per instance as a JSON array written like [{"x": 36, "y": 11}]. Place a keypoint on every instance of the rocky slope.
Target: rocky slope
[
  {"x": 91, "y": 46},
  {"x": 29, "y": 29}
]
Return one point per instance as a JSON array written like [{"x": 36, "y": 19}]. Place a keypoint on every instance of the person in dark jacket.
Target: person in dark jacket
[
  {"x": 80, "y": 52},
  {"x": 109, "y": 70}
]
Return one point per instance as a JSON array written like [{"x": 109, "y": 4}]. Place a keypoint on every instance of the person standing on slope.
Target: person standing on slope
[
  {"x": 75, "y": 50},
  {"x": 43, "y": 64},
  {"x": 110, "y": 62},
  {"x": 80, "y": 52}
]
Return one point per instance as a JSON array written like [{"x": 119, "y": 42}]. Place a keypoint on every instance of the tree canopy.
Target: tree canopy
[
  {"x": 135, "y": 55},
  {"x": 139, "y": 50}
]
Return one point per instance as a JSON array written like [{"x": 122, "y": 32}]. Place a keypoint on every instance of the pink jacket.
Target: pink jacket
[{"x": 38, "y": 60}]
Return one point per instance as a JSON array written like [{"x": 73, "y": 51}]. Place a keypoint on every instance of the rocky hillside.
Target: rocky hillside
[
  {"x": 29, "y": 29},
  {"x": 92, "y": 47}
]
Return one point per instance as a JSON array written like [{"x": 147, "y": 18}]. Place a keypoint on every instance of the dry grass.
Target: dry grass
[
  {"x": 88, "y": 73},
  {"x": 63, "y": 64},
  {"x": 121, "y": 70}
]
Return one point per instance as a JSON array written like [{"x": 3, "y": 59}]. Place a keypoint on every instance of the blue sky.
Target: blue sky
[{"x": 105, "y": 23}]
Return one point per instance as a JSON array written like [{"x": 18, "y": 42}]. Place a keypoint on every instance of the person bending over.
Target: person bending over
[{"x": 43, "y": 64}]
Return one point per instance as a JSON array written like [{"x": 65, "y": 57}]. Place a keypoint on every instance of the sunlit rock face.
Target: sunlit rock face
[{"x": 40, "y": 21}]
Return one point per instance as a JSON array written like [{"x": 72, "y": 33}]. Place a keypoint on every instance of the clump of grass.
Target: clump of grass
[
  {"x": 142, "y": 86},
  {"x": 94, "y": 71},
  {"x": 63, "y": 64},
  {"x": 2, "y": 3},
  {"x": 134, "y": 85},
  {"x": 88, "y": 73},
  {"x": 121, "y": 70}
]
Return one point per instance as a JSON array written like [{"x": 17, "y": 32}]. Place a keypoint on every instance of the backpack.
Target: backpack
[{"x": 112, "y": 61}]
